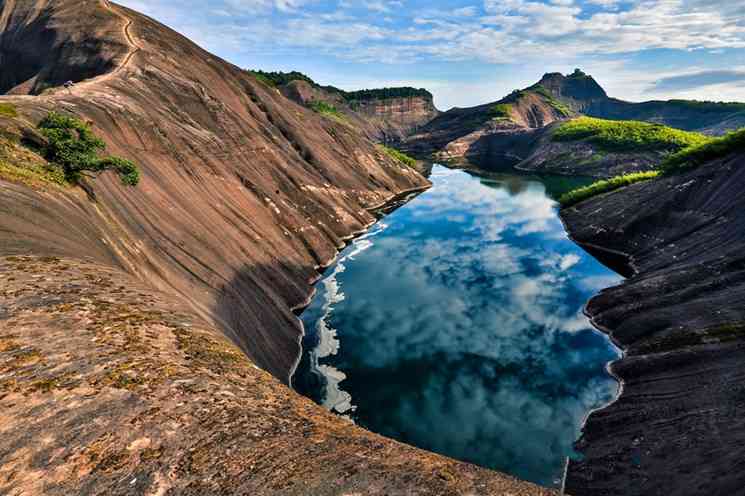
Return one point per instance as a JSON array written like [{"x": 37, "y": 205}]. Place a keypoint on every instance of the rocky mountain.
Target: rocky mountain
[
  {"x": 583, "y": 94},
  {"x": 520, "y": 129},
  {"x": 139, "y": 326},
  {"x": 385, "y": 115},
  {"x": 504, "y": 131},
  {"x": 677, "y": 427}
]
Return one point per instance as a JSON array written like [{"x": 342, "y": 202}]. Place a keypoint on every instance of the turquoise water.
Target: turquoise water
[{"x": 455, "y": 325}]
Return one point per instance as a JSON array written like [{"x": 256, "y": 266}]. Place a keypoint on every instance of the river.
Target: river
[{"x": 455, "y": 325}]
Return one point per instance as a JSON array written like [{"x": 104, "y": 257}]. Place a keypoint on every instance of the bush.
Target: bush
[
  {"x": 500, "y": 111},
  {"x": 604, "y": 186},
  {"x": 398, "y": 156},
  {"x": 73, "y": 146},
  {"x": 627, "y": 135},
  {"x": 698, "y": 155}
]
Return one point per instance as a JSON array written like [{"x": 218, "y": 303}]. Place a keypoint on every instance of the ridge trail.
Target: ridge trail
[{"x": 133, "y": 45}]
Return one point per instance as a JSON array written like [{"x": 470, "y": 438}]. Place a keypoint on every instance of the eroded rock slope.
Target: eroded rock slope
[{"x": 677, "y": 427}]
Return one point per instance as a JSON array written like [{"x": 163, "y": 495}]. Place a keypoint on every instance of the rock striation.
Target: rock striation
[{"x": 677, "y": 427}]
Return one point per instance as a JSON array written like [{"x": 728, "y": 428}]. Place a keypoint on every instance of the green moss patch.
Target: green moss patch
[
  {"x": 604, "y": 186},
  {"x": 8, "y": 110},
  {"x": 329, "y": 111},
  {"x": 21, "y": 165},
  {"x": 398, "y": 156},
  {"x": 627, "y": 136},
  {"x": 500, "y": 111}
]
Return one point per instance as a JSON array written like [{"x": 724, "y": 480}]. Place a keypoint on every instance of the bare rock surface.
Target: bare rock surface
[{"x": 677, "y": 427}]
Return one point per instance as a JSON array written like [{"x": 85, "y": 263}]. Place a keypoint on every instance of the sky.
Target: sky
[{"x": 468, "y": 52}]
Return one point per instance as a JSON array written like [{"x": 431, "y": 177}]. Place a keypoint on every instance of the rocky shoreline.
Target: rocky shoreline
[{"x": 680, "y": 318}]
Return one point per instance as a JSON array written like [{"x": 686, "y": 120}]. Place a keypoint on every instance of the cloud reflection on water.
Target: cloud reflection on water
[{"x": 460, "y": 328}]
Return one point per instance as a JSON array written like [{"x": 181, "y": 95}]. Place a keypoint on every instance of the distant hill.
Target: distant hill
[
  {"x": 517, "y": 127},
  {"x": 383, "y": 114}
]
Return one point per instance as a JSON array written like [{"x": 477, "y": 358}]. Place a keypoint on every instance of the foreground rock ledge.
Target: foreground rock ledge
[
  {"x": 678, "y": 427},
  {"x": 107, "y": 387}
]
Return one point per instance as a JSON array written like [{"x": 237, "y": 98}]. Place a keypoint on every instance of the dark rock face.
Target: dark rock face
[
  {"x": 480, "y": 136},
  {"x": 578, "y": 90},
  {"x": 677, "y": 427}
]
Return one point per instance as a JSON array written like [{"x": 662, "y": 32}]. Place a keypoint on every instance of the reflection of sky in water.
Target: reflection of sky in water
[{"x": 456, "y": 326}]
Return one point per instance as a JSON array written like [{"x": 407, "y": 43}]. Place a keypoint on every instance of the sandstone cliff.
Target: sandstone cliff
[
  {"x": 677, "y": 427},
  {"x": 381, "y": 118},
  {"x": 131, "y": 319}
]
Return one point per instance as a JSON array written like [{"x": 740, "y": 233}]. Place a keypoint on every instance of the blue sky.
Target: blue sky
[{"x": 474, "y": 51}]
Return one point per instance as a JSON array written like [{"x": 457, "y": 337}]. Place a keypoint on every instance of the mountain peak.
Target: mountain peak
[{"x": 577, "y": 89}]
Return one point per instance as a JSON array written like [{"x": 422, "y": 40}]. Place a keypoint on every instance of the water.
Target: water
[{"x": 455, "y": 325}]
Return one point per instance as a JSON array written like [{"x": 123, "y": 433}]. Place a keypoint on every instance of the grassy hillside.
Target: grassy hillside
[
  {"x": 627, "y": 135},
  {"x": 713, "y": 149},
  {"x": 699, "y": 153},
  {"x": 604, "y": 186}
]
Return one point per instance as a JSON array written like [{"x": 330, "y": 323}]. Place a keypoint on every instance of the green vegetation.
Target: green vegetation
[
  {"x": 627, "y": 135},
  {"x": 560, "y": 107},
  {"x": 8, "y": 110},
  {"x": 604, "y": 186},
  {"x": 282, "y": 78},
  {"x": 386, "y": 93},
  {"x": 73, "y": 146},
  {"x": 713, "y": 149},
  {"x": 399, "y": 156},
  {"x": 328, "y": 110},
  {"x": 500, "y": 111},
  {"x": 708, "y": 107}
]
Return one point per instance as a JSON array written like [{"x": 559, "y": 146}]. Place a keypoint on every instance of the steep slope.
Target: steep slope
[
  {"x": 236, "y": 175},
  {"x": 385, "y": 115},
  {"x": 677, "y": 427},
  {"x": 132, "y": 320},
  {"x": 44, "y": 45}
]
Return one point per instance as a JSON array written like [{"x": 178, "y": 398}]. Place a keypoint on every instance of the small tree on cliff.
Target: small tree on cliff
[{"x": 72, "y": 145}]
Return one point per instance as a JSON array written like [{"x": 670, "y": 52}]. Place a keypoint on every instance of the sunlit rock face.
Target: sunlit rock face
[{"x": 456, "y": 325}]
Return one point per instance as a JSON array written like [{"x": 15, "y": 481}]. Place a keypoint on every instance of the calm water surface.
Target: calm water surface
[{"x": 456, "y": 325}]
